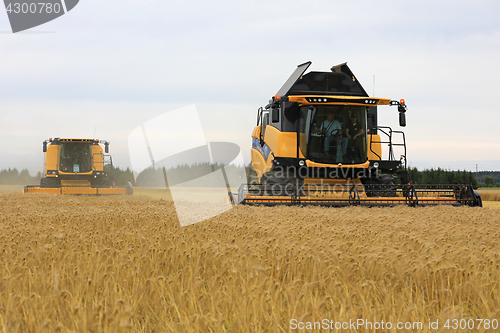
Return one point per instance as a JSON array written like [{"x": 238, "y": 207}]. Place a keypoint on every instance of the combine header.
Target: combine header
[
  {"x": 76, "y": 166},
  {"x": 317, "y": 142}
]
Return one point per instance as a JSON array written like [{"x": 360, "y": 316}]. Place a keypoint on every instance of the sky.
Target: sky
[{"x": 107, "y": 67}]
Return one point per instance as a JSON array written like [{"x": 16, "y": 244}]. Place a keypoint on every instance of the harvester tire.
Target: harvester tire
[
  {"x": 279, "y": 186},
  {"x": 387, "y": 186},
  {"x": 101, "y": 182},
  {"x": 382, "y": 186},
  {"x": 479, "y": 201},
  {"x": 49, "y": 182}
]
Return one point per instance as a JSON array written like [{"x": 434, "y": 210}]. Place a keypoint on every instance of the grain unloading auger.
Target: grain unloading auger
[
  {"x": 317, "y": 142},
  {"x": 76, "y": 166}
]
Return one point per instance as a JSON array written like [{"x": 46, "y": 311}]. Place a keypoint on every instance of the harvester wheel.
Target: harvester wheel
[
  {"x": 102, "y": 182},
  {"x": 387, "y": 188},
  {"x": 382, "y": 186},
  {"x": 49, "y": 182},
  {"x": 479, "y": 201},
  {"x": 279, "y": 186}
]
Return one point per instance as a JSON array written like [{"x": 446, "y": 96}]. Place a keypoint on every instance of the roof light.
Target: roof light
[
  {"x": 402, "y": 101},
  {"x": 276, "y": 97}
]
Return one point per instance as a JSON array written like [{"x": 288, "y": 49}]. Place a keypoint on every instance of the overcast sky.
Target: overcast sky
[{"x": 110, "y": 66}]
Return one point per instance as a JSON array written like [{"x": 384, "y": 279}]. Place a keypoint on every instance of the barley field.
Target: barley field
[
  {"x": 123, "y": 264},
  {"x": 490, "y": 195}
]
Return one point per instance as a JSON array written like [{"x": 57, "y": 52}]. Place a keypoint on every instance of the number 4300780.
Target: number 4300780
[
  {"x": 40, "y": 7},
  {"x": 471, "y": 324}
]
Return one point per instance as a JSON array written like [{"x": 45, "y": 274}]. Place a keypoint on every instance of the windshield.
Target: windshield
[
  {"x": 75, "y": 157},
  {"x": 333, "y": 134}
]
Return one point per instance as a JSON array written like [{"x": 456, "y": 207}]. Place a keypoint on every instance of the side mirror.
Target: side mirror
[
  {"x": 402, "y": 119},
  {"x": 106, "y": 148},
  {"x": 402, "y": 111},
  {"x": 45, "y": 146}
]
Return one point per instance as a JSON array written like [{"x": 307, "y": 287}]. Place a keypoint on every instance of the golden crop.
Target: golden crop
[
  {"x": 490, "y": 195},
  {"x": 123, "y": 264}
]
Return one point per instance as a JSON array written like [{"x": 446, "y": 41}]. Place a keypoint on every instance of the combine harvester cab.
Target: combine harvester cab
[
  {"x": 76, "y": 166},
  {"x": 317, "y": 142}
]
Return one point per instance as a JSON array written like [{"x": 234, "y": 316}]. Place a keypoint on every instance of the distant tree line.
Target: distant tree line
[
  {"x": 16, "y": 177},
  {"x": 488, "y": 178},
  {"x": 191, "y": 175},
  {"x": 441, "y": 176},
  {"x": 202, "y": 174},
  {"x": 489, "y": 182},
  {"x": 23, "y": 177},
  {"x": 119, "y": 176}
]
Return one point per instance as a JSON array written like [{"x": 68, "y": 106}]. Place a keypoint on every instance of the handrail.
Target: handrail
[
  {"x": 104, "y": 156},
  {"x": 389, "y": 134}
]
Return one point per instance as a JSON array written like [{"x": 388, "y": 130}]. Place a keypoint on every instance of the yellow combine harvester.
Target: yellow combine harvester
[
  {"x": 76, "y": 166},
  {"x": 317, "y": 142}
]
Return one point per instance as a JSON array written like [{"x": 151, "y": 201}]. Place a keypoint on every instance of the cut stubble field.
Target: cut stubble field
[{"x": 123, "y": 264}]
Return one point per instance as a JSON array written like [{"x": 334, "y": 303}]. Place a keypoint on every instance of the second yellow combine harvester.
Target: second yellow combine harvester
[
  {"x": 76, "y": 166},
  {"x": 317, "y": 142}
]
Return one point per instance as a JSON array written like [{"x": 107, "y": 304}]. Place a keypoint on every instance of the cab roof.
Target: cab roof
[{"x": 339, "y": 82}]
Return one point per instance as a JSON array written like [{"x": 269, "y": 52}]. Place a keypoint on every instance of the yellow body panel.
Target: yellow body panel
[
  {"x": 80, "y": 183},
  {"x": 282, "y": 144},
  {"x": 376, "y": 147},
  {"x": 41, "y": 190},
  {"x": 97, "y": 158},
  {"x": 52, "y": 158},
  {"x": 77, "y": 190},
  {"x": 259, "y": 164},
  {"x": 256, "y": 132}
]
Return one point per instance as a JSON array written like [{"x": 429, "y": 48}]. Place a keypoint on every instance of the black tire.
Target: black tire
[
  {"x": 279, "y": 186},
  {"x": 49, "y": 182},
  {"x": 479, "y": 201},
  {"x": 382, "y": 186},
  {"x": 102, "y": 182},
  {"x": 387, "y": 185}
]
